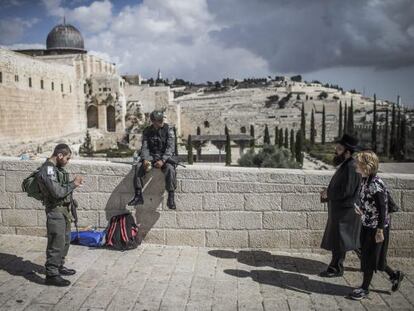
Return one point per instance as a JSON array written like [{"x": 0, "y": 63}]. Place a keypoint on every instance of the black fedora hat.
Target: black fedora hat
[{"x": 349, "y": 142}]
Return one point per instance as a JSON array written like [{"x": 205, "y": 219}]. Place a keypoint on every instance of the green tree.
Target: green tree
[
  {"x": 403, "y": 137},
  {"x": 351, "y": 119},
  {"x": 252, "y": 142},
  {"x": 276, "y": 135},
  {"x": 266, "y": 138},
  {"x": 87, "y": 147},
  {"x": 374, "y": 126},
  {"x": 286, "y": 145},
  {"x": 228, "y": 150},
  {"x": 280, "y": 138},
  {"x": 189, "y": 150},
  {"x": 299, "y": 148},
  {"x": 323, "y": 126},
  {"x": 340, "y": 120},
  {"x": 313, "y": 129},
  {"x": 303, "y": 122},
  {"x": 393, "y": 132},
  {"x": 397, "y": 152},
  {"x": 345, "y": 131},
  {"x": 386, "y": 130},
  {"x": 292, "y": 142}
]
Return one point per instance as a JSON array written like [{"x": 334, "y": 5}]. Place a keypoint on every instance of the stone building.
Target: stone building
[{"x": 48, "y": 94}]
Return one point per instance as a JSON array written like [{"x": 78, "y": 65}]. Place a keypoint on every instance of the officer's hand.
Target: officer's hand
[
  {"x": 159, "y": 164},
  {"x": 78, "y": 181}
]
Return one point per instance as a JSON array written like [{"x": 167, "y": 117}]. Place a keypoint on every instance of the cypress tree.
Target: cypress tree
[
  {"x": 386, "y": 149},
  {"x": 228, "y": 150},
  {"x": 313, "y": 129},
  {"x": 280, "y": 138},
  {"x": 351, "y": 118},
  {"x": 397, "y": 152},
  {"x": 189, "y": 150},
  {"x": 393, "y": 132},
  {"x": 292, "y": 142},
  {"x": 323, "y": 126},
  {"x": 266, "y": 138},
  {"x": 303, "y": 122},
  {"x": 345, "y": 131},
  {"x": 403, "y": 137},
  {"x": 252, "y": 135},
  {"x": 226, "y": 130},
  {"x": 340, "y": 120},
  {"x": 299, "y": 148},
  {"x": 276, "y": 135},
  {"x": 286, "y": 138},
  {"x": 175, "y": 141},
  {"x": 374, "y": 126}
]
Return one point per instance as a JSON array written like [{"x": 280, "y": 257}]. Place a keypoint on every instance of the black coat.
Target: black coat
[{"x": 343, "y": 226}]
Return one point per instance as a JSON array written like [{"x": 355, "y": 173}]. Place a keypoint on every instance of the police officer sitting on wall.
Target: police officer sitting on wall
[
  {"x": 57, "y": 190},
  {"x": 156, "y": 151}
]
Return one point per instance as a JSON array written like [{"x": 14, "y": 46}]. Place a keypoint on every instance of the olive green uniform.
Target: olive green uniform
[{"x": 57, "y": 190}]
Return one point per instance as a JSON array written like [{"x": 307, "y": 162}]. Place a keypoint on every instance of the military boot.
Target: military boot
[
  {"x": 170, "y": 200},
  {"x": 56, "y": 280},
  {"x": 138, "y": 199}
]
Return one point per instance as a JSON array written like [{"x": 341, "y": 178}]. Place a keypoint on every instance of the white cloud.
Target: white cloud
[
  {"x": 174, "y": 36},
  {"x": 24, "y": 46},
  {"x": 13, "y": 29},
  {"x": 94, "y": 18}
]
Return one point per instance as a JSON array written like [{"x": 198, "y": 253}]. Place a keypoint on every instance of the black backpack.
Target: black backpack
[{"x": 122, "y": 233}]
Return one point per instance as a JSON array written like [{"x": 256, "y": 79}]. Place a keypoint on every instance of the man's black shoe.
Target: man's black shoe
[
  {"x": 56, "y": 280},
  {"x": 331, "y": 274},
  {"x": 66, "y": 271},
  {"x": 138, "y": 199},
  {"x": 396, "y": 280},
  {"x": 170, "y": 201}
]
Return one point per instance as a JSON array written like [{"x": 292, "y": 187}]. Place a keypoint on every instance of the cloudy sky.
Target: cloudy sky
[{"x": 363, "y": 44}]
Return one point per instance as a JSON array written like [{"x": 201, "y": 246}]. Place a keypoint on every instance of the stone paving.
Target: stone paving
[{"x": 155, "y": 277}]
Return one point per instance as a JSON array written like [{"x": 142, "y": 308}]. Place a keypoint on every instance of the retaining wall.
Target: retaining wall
[{"x": 216, "y": 206}]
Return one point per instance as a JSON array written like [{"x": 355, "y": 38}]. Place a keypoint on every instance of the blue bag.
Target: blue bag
[{"x": 88, "y": 238}]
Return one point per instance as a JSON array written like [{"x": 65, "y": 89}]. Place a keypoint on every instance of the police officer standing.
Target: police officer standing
[
  {"x": 57, "y": 191},
  {"x": 156, "y": 151}
]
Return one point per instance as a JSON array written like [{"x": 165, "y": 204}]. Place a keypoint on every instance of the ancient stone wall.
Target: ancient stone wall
[
  {"x": 216, "y": 206},
  {"x": 39, "y": 101}
]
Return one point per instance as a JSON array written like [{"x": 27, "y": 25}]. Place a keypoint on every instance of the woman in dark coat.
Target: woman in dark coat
[
  {"x": 373, "y": 211},
  {"x": 343, "y": 226}
]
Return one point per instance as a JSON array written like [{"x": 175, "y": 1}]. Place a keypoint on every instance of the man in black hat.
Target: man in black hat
[
  {"x": 343, "y": 226},
  {"x": 157, "y": 148}
]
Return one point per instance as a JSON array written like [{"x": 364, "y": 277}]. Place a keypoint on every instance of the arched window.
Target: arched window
[
  {"x": 92, "y": 115},
  {"x": 206, "y": 124},
  {"x": 110, "y": 119},
  {"x": 243, "y": 130}
]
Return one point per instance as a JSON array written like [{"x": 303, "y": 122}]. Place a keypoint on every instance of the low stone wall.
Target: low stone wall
[{"x": 216, "y": 206}]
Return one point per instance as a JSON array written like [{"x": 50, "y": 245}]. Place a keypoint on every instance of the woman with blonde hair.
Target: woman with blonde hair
[{"x": 373, "y": 209}]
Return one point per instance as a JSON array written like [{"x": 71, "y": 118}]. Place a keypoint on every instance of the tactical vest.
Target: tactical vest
[{"x": 157, "y": 139}]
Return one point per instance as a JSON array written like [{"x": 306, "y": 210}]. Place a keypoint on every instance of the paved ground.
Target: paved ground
[{"x": 183, "y": 278}]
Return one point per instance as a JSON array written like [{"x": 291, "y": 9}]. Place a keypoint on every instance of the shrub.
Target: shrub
[{"x": 269, "y": 156}]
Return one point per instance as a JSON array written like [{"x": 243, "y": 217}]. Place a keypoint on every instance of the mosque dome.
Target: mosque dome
[{"x": 65, "y": 37}]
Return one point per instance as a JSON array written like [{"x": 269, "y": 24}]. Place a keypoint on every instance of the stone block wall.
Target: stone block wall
[
  {"x": 30, "y": 110},
  {"x": 216, "y": 206}
]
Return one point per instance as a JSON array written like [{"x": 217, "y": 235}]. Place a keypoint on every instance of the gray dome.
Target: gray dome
[{"x": 65, "y": 37}]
